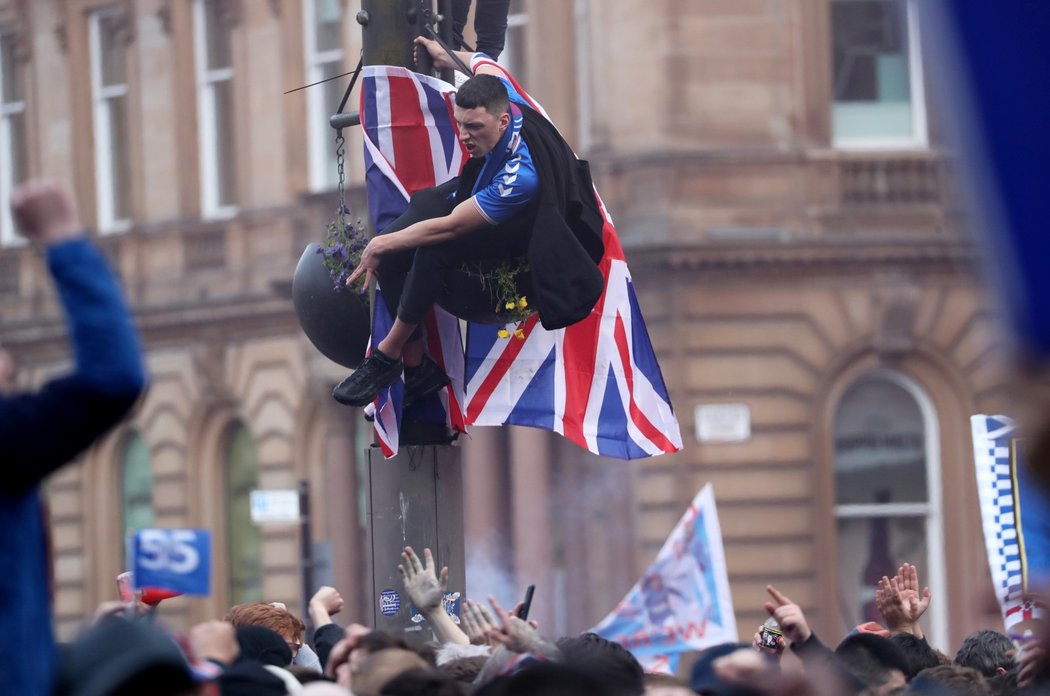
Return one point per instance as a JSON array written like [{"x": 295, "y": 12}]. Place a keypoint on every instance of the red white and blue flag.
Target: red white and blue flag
[{"x": 596, "y": 382}]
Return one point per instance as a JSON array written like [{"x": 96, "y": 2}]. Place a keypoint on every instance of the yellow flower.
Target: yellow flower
[
  {"x": 523, "y": 303},
  {"x": 511, "y": 305},
  {"x": 518, "y": 333},
  {"x": 503, "y": 333}
]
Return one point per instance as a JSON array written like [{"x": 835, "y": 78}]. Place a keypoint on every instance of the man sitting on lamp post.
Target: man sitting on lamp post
[{"x": 522, "y": 193}]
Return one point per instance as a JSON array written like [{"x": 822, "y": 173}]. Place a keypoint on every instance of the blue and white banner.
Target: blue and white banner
[
  {"x": 683, "y": 601},
  {"x": 1015, "y": 513},
  {"x": 172, "y": 559}
]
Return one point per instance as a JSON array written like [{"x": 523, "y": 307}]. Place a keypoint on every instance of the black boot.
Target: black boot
[
  {"x": 423, "y": 380},
  {"x": 364, "y": 384}
]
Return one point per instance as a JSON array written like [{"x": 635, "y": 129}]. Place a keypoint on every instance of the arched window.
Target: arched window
[
  {"x": 887, "y": 495},
  {"x": 136, "y": 485},
  {"x": 243, "y": 539}
]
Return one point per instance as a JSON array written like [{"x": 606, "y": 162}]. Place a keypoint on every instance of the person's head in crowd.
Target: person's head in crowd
[
  {"x": 961, "y": 681},
  {"x": 251, "y": 678},
  {"x": 423, "y": 682},
  {"x": 123, "y": 658},
  {"x": 604, "y": 658},
  {"x": 369, "y": 675},
  {"x": 917, "y": 652},
  {"x": 989, "y": 652},
  {"x": 874, "y": 661},
  {"x": 705, "y": 678},
  {"x": 306, "y": 675},
  {"x": 546, "y": 679},
  {"x": 260, "y": 644},
  {"x": 1003, "y": 684},
  {"x": 279, "y": 620},
  {"x": 665, "y": 685},
  {"x": 464, "y": 669}
]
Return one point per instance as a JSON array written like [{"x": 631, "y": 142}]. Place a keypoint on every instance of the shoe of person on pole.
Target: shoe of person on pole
[{"x": 522, "y": 193}]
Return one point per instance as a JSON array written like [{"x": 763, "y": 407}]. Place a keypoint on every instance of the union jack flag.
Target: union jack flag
[{"x": 596, "y": 382}]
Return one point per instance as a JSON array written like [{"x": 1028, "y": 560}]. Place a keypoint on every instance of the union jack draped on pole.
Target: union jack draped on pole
[
  {"x": 682, "y": 603},
  {"x": 1015, "y": 513},
  {"x": 596, "y": 382}
]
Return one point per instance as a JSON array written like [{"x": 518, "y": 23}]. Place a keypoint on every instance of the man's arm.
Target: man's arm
[
  {"x": 464, "y": 218},
  {"x": 40, "y": 432},
  {"x": 442, "y": 60}
]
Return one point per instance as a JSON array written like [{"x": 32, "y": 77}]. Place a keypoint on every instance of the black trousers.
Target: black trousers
[{"x": 413, "y": 280}]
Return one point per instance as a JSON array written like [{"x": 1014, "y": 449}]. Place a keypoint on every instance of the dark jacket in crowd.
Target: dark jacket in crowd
[{"x": 40, "y": 432}]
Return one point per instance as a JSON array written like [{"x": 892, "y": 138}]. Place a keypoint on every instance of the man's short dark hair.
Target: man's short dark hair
[
  {"x": 486, "y": 91},
  {"x": 464, "y": 669},
  {"x": 917, "y": 652},
  {"x": 964, "y": 681},
  {"x": 605, "y": 659},
  {"x": 423, "y": 682},
  {"x": 986, "y": 651},
  {"x": 871, "y": 658}
]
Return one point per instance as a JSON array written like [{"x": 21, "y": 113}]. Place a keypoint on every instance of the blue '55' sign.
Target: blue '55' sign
[{"x": 173, "y": 559}]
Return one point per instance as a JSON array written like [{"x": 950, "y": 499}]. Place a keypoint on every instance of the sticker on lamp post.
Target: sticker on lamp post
[{"x": 389, "y": 602}]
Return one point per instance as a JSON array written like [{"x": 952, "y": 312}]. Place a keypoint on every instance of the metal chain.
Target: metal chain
[{"x": 340, "y": 161}]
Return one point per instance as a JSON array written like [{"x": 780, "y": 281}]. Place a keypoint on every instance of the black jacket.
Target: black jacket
[{"x": 565, "y": 225}]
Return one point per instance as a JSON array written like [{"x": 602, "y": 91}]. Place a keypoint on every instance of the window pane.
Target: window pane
[
  {"x": 12, "y": 75},
  {"x": 244, "y": 540},
  {"x": 880, "y": 445},
  {"x": 17, "y": 144},
  {"x": 136, "y": 486},
  {"x": 328, "y": 17},
  {"x": 111, "y": 50},
  {"x": 226, "y": 169},
  {"x": 869, "y": 549},
  {"x": 333, "y": 94},
  {"x": 216, "y": 37},
  {"x": 118, "y": 141},
  {"x": 872, "y": 78},
  {"x": 513, "y": 56}
]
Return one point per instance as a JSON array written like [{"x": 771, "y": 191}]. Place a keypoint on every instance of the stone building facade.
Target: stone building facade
[{"x": 804, "y": 278}]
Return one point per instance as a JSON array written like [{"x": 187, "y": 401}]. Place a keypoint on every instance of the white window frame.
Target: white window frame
[
  {"x": 210, "y": 152},
  {"x": 518, "y": 19},
  {"x": 101, "y": 95},
  {"x": 935, "y": 574},
  {"x": 920, "y": 139},
  {"x": 8, "y": 237},
  {"x": 320, "y": 135}
]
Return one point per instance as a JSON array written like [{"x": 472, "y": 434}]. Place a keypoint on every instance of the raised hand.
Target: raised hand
[
  {"x": 516, "y": 634},
  {"x": 900, "y": 602},
  {"x": 422, "y": 583},
  {"x": 477, "y": 622},
  {"x": 788, "y": 615},
  {"x": 906, "y": 584},
  {"x": 325, "y": 602}
]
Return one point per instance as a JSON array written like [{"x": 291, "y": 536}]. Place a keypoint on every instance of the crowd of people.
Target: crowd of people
[{"x": 263, "y": 649}]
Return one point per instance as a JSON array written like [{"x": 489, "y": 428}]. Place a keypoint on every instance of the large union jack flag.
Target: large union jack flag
[{"x": 596, "y": 382}]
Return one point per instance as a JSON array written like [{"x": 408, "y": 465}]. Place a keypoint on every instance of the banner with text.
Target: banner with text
[{"x": 683, "y": 602}]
